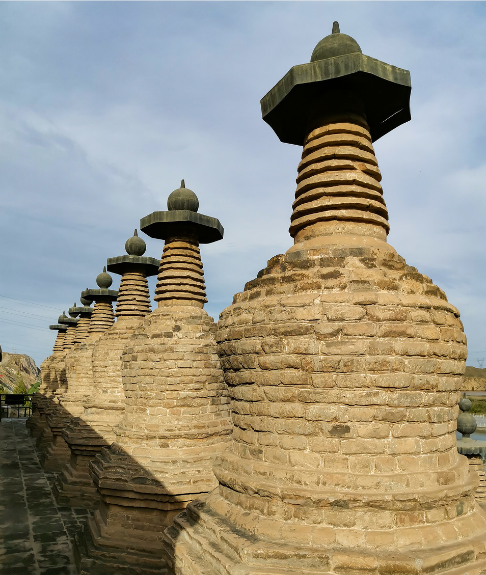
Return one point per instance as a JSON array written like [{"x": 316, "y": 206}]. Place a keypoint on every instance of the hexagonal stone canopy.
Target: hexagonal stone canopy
[
  {"x": 94, "y": 294},
  {"x": 80, "y": 310},
  {"x": 67, "y": 320},
  {"x": 120, "y": 264},
  {"x": 164, "y": 225},
  {"x": 384, "y": 90}
]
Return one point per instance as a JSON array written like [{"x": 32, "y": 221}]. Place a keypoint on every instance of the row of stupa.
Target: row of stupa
[{"x": 312, "y": 430}]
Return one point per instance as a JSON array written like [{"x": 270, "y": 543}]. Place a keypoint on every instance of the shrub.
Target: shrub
[
  {"x": 478, "y": 405},
  {"x": 19, "y": 386}
]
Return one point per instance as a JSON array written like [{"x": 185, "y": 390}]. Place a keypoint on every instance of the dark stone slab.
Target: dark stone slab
[
  {"x": 384, "y": 90},
  {"x": 122, "y": 264},
  {"x": 163, "y": 225},
  {"x": 35, "y": 536}
]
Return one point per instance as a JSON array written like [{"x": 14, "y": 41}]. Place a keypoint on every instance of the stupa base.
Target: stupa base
[
  {"x": 121, "y": 541},
  {"x": 74, "y": 486},
  {"x": 476, "y": 464},
  {"x": 44, "y": 440},
  {"x": 36, "y": 424},
  {"x": 202, "y": 542},
  {"x": 56, "y": 455}
]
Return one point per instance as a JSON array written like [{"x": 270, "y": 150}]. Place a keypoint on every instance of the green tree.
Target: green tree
[
  {"x": 19, "y": 386},
  {"x": 34, "y": 388}
]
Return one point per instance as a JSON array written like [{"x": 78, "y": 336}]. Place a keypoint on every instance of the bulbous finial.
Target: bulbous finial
[
  {"x": 183, "y": 199},
  {"x": 135, "y": 246},
  {"x": 62, "y": 317},
  {"x": 466, "y": 423},
  {"x": 336, "y": 44},
  {"x": 84, "y": 301},
  {"x": 104, "y": 280},
  {"x": 71, "y": 311}
]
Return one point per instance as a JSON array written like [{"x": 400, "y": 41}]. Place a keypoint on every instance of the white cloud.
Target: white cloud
[{"x": 105, "y": 107}]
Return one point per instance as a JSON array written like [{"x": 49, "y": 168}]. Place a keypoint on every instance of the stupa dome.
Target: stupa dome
[
  {"x": 135, "y": 246},
  {"x": 104, "y": 280},
  {"x": 336, "y": 44},
  {"x": 183, "y": 199},
  {"x": 84, "y": 301},
  {"x": 62, "y": 317}
]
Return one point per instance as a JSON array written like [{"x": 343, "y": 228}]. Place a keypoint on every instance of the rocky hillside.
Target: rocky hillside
[
  {"x": 16, "y": 369},
  {"x": 475, "y": 379}
]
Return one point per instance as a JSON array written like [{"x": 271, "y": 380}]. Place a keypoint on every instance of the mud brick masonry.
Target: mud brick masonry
[
  {"x": 340, "y": 364},
  {"x": 176, "y": 417},
  {"x": 103, "y": 402},
  {"x": 40, "y": 401},
  {"x": 343, "y": 365},
  {"x": 78, "y": 371}
]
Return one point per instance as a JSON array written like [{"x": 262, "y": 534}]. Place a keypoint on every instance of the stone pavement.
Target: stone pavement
[{"x": 35, "y": 533}]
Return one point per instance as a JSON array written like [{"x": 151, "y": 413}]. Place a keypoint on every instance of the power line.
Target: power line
[
  {"x": 22, "y": 325},
  {"x": 29, "y": 346},
  {"x": 6, "y": 310},
  {"x": 31, "y": 354},
  {"x": 10, "y": 345},
  {"x": 14, "y": 341},
  {"x": 31, "y": 302}
]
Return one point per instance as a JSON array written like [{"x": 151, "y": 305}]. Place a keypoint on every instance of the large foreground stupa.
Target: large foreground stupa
[{"x": 344, "y": 366}]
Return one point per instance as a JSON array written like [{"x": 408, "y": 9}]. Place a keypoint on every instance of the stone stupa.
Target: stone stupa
[
  {"x": 176, "y": 417},
  {"x": 52, "y": 450},
  {"x": 103, "y": 408},
  {"x": 79, "y": 372},
  {"x": 84, "y": 319},
  {"x": 79, "y": 368},
  {"x": 344, "y": 366},
  {"x": 473, "y": 449},
  {"x": 40, "y": 400},
  {"x": 56, "y": 374}
]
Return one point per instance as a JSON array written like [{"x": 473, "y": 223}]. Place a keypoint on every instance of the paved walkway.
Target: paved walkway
[{"x": 35, "y": 533}]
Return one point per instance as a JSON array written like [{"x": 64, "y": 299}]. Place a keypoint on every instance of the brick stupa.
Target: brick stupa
[
  {"x": 344, "y": 366},
  {"x": 52, "y": 449},
  {"x": 103, "y": 408},
  {"x": 176, "y": 417},
  {"x": 84, "y": 319},
  {"x": 57, "y": 379},
  {"x": 41, "y": 400},
  {"x": 79, "y": 372}
]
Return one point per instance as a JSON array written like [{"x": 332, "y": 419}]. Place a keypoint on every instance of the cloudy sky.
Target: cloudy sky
[{"x": 104, "y": 107}]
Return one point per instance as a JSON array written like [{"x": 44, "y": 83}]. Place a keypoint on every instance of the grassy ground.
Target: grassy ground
[{"x": 478, "y": 405}]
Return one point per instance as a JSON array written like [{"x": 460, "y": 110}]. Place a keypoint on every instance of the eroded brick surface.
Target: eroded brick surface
[
  {"x": 176, "y": 421},
  {"x": 344, "y": 366}
]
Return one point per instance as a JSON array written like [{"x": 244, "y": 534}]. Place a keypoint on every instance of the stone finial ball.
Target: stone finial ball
[
  {"x": 466, "y": 424},
  {"x": 104, "y": 280},
  {"x": 183, "y": 199},
  {"x": 336, "y": 44},
  {"x": 62, "y": 317},
  {"x": 465, "y": 404},
  {"x": 135, "y": 246},
  {"x": 84, "y": 301}
]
